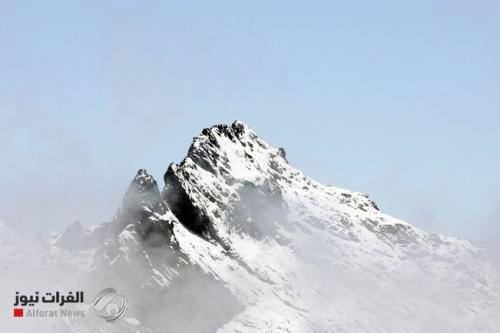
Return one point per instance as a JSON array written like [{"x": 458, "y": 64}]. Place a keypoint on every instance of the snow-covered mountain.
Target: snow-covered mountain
[{"x": 238, "y": 240}]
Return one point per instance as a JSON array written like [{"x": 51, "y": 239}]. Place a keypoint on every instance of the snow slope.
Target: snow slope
[{"x": 302, "y": 256}]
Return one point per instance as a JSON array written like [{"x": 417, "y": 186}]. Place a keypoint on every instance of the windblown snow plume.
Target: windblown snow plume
[{"x": 238, "y": 240}]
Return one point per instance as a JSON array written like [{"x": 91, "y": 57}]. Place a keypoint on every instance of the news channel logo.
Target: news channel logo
[{"x": 110, "y": 305}]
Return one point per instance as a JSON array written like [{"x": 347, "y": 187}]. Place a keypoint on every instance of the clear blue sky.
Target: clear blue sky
[{"x": 398, "y": 99}]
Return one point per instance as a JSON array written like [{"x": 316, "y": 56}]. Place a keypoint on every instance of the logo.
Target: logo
[{"x": 110, "y": 305}]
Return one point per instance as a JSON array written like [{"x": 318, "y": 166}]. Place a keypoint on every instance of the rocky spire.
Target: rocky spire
[{"x": 144, "y": 208}]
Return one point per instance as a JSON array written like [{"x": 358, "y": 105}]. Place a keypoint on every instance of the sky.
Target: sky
[{"x": 397, "y": 99}]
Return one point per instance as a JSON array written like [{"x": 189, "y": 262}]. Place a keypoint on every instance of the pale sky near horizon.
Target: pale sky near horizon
[{"x": 397, "y": 99}]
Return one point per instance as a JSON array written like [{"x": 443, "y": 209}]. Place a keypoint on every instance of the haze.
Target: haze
[{"x": 397, "y": 100}]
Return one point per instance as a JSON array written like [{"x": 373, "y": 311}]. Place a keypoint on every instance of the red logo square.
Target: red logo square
[{"x": 18, "y": 312}]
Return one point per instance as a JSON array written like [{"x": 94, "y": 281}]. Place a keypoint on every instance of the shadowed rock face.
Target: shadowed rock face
[
  {"x": 229, "y": 204},
  {"x": 182, "y": 205},
  {"x": 144, "y": 207},
  {"x": 205, "y": 153}
]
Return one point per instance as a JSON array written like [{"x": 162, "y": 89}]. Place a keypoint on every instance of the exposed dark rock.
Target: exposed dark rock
[
  {"x": 182, "y": 206},
  {"x": 144, "y": 207},
  {"x": 282, "y": 153}
]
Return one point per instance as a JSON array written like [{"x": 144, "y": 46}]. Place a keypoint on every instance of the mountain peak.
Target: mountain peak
[
  {"x": 142, "y": 198},
  {"x": 144, "y": 180},
  {"x": 144, "y": 210},
  {"x": 239, "y": 127},
  {"x": 234, "y": 132}
]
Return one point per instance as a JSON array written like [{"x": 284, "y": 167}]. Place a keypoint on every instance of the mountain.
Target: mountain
[{"x": 238, "y": 240}]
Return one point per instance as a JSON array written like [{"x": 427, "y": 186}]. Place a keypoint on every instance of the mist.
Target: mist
[{"x": 168, "y": 290}]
